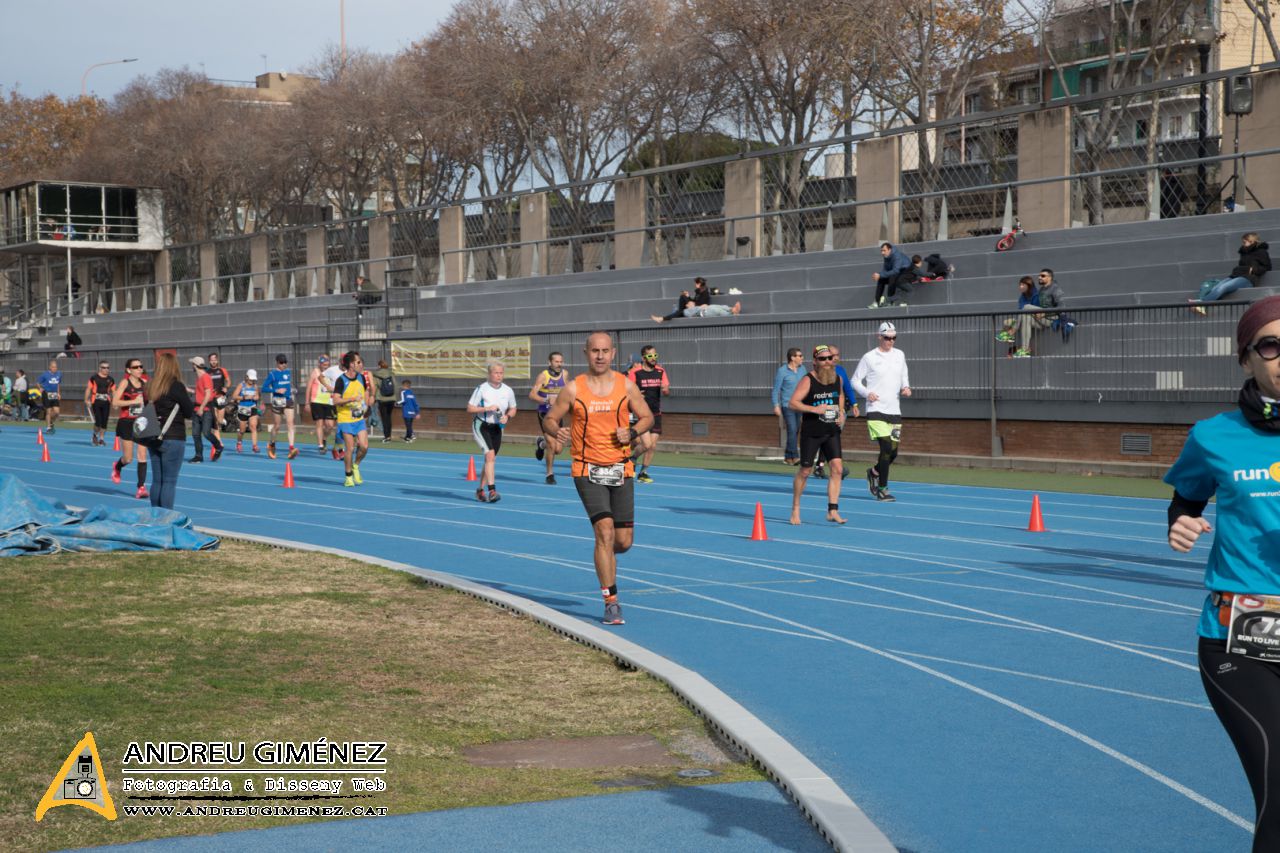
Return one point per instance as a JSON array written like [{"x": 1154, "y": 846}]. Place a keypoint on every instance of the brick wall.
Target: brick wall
[{"x": 1038, "y": 439}]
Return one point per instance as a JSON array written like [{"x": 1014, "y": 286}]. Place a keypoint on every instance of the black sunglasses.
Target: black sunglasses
[
  {"x": 824, "y": 358},
  {"x": 888, "y": 337},
  {"x": 1268, "y": 349}
]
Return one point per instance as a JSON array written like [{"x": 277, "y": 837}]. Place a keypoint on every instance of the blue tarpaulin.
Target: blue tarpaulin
[{"x": 32, "y": 524}]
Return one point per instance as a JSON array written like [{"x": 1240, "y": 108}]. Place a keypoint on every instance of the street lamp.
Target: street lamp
[
  {"x": 84, "y": 78},
  {"x": 1205, "y": 35}
]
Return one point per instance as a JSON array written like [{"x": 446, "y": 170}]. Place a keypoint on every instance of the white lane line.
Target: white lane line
[
  {"x": 1200, "y": 706},
  {"x": 739, "y": 561},
  {"x": 1014, "y": 706},
  {"x": 1188, "y": 652}
]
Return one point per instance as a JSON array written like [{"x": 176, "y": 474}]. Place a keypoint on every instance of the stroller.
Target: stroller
[{"x": 35, "y": 404}]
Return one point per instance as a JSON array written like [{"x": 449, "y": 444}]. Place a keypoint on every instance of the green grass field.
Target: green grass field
[{"x": 249, "y": 643}]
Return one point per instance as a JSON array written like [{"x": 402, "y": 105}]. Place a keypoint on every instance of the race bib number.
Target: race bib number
[
  {"x": 357, "y": 410},
  {"x": 1255, "y": 627},
  {"x": 607, "y": 475},
  {"x": 279, "y": 402},
  {"x": 134, "y": 411},
  {"x": 830, "y": 415},
  {"x": 246, "y": 410},
  {"x": 221, "y": 402},
  {"x": 102, "y": 398},
  {"x": 54, "y": 395}
]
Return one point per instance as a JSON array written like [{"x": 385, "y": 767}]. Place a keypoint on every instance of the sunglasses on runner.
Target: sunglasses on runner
[
  {"x": 1268, "y": 349},
  {"x": 650, "y": 356},
  {"x": 824, "y": 358},
  {"x": 888, "y": 337}
]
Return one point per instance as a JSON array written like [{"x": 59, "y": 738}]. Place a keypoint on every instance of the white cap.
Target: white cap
[
  {"x": 251, "y": 374},
  {"x": 887, "y": 329}
]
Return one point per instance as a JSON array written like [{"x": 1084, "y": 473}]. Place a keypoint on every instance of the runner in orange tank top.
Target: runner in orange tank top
[{"x": 601, "y": 402}]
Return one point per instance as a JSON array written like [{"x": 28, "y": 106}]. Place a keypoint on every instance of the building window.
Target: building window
[
  {"x": 1174, "y": 126},
  {"x": 973, "y": 103},
  {"x": 1140, "y": 130}
]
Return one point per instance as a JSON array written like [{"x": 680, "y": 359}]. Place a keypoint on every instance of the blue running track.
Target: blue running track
[{"x": 972, "y": 686}]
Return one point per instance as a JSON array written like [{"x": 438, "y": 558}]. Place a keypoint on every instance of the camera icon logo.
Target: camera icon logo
[
  {"x": 80, "y": 782},
  {"x": 79, "y": 789}
]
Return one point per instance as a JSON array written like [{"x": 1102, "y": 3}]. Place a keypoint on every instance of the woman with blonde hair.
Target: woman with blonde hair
[{"x": 166, "y": 391}]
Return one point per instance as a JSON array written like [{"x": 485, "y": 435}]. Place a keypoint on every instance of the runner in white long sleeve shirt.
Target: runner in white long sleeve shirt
[{"x": 881, "y": 377}]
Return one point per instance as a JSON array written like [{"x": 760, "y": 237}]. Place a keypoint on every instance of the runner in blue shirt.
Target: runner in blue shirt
[
  {"x": 50, "y": 383},
  {"x": 277, "y": 390},
  {"x": 1236, "y": 456}
]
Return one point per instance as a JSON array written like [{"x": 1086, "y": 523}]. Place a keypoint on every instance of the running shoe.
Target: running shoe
[
  {"x": 115, "y": 474},
  {"x": 342, "y": 454},
  {"x": 820, "y": 472},
  {"x": 293, "y": 453},
  {"x": 142, "y": 493},
  {"x": 216, "y": 455},
  {"x": 883, "y": 495},
  {"x": 551, "y": 479},
  {"x": 385, "y": 439},
  {"x": 643, "y": 477},
  {"x": 334, "y": 452},
  {"x": 320, "y": 449},
  {"x": 271, "y": 450},
  {"x": 347, "y": 481},
  {"x": 1004, "y": 337},
  {"x": 195, "y": 458},
  {"x": 480, "y": 496},
  {"x": 355, "y": 473},
  {"x": 50, "y": 430},
  {"x": 1022, "y": 352},
  {"x": 540, "y": 449},
  {"x": 255, "y": 448},
  {"x": 873, "y": 481},
  {"x": 844, "y": 472},
  {"x": 239, "y": 446},
  {"x": 613, "y": 613},
  {"x": 408, "y": 439},
  {"x": 494, "y": 497}
]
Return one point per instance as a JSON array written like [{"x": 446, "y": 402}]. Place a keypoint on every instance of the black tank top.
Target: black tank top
[
  {"x": 820, "y": 395},
  {"x": 101, "y": 385},
  {"x": 131, "y": 393}
]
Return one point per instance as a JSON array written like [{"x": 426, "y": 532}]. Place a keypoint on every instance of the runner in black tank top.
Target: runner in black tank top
[
  {"x": 128, "y": 402},
  {"x": 820, "y": 399},
  {"x": 97, "y": 399}
]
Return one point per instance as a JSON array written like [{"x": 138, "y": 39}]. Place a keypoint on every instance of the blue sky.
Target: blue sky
[{"x": 51, "y": 44}]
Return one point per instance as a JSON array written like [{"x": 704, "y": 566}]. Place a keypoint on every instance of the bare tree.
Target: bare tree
[{"x": 787, "y": 64}]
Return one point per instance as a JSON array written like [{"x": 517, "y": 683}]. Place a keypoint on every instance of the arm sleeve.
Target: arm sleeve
[
  {"x": 1182, "y": 505},
  {"x": 849, "y": 397}
]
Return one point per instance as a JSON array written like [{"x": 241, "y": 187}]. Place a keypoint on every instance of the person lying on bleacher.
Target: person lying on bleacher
[
  {"x": 936, "y": 269},
  {"x": 1255, "y": 262}
]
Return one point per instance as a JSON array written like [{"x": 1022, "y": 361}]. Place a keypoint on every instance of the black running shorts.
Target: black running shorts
[
  {"x": 323, "y": 412},
  {"x": 616, "y": 502}
]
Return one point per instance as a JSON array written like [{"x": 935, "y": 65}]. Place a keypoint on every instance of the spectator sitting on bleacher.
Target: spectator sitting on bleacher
[
  {"x": 1255, "y": 262},
  {"x": 936, "y": 269},
  {"x": 682, "y": 302},
  {"x": 1023, "y": 324},
  {"x": 895, "y": 263},
  {"x": 366, "y": 293},
  {"x": 702, "y": 306}
]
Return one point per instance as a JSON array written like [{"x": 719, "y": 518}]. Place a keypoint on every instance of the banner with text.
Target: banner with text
[{"x": 461, "y": 358}]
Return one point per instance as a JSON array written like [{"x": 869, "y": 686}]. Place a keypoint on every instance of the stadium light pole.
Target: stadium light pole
[{"x": 84, "y": 78}]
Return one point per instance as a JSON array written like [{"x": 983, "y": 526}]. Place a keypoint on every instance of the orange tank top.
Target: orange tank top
[{"x": 595, "y": 426}]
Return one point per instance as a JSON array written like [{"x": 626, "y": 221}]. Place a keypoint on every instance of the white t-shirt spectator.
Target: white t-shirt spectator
[{"x": 487, "y": 395}]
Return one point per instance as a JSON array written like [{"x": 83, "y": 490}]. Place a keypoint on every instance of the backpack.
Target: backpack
[{"x": 387, "y": 386}]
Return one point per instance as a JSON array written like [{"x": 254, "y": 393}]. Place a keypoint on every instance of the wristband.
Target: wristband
[{"x": 634, "y": 435}]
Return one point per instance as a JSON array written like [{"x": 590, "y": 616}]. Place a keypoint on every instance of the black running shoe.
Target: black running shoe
[
  {"x": 540, "y": 450},
  {"x": 873, "y": 482},
  {"x": 883, "y": 495}
]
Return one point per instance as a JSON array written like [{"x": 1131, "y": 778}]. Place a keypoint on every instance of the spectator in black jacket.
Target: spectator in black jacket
[
  {"x": 166, "y": 391},
  {"x": 684, "y": 301},
  {"x": 1255, "y": 262}
]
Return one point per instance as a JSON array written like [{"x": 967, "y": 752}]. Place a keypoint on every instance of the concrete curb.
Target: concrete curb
[{"x": 829, "y": 809}]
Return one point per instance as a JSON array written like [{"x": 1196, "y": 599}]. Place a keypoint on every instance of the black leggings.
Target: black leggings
[
  {"x": 888, "y": 453},
  {"x": 385, "y": 409},
  {"x": 1245, "y": 694}
]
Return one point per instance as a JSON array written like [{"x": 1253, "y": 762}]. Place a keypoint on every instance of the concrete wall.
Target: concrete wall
[
  {"x": 533, "y": 227},
  {"x": 743, "y": 196},
  {"x": 379, "y": 248},
  {"x": 453, "y": 239},
  {"x": 879, "y": 176},
  {"x": 1260, "y": 130},
  {"x": 629, "y": 211},
  {"x": 1044, "y": 151}
]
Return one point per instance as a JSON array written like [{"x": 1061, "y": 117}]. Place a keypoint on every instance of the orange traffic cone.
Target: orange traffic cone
[
  {"x": 40, "y": 436},
  {"x": 115, "y": 448},
  {"x": 471, "y": 469},
  {"x": 288, "y": 475},
  {"x": 1036, "y": 524},
  {"x": 758, "y": 533},
  {"x": 44, "y": 453}
]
